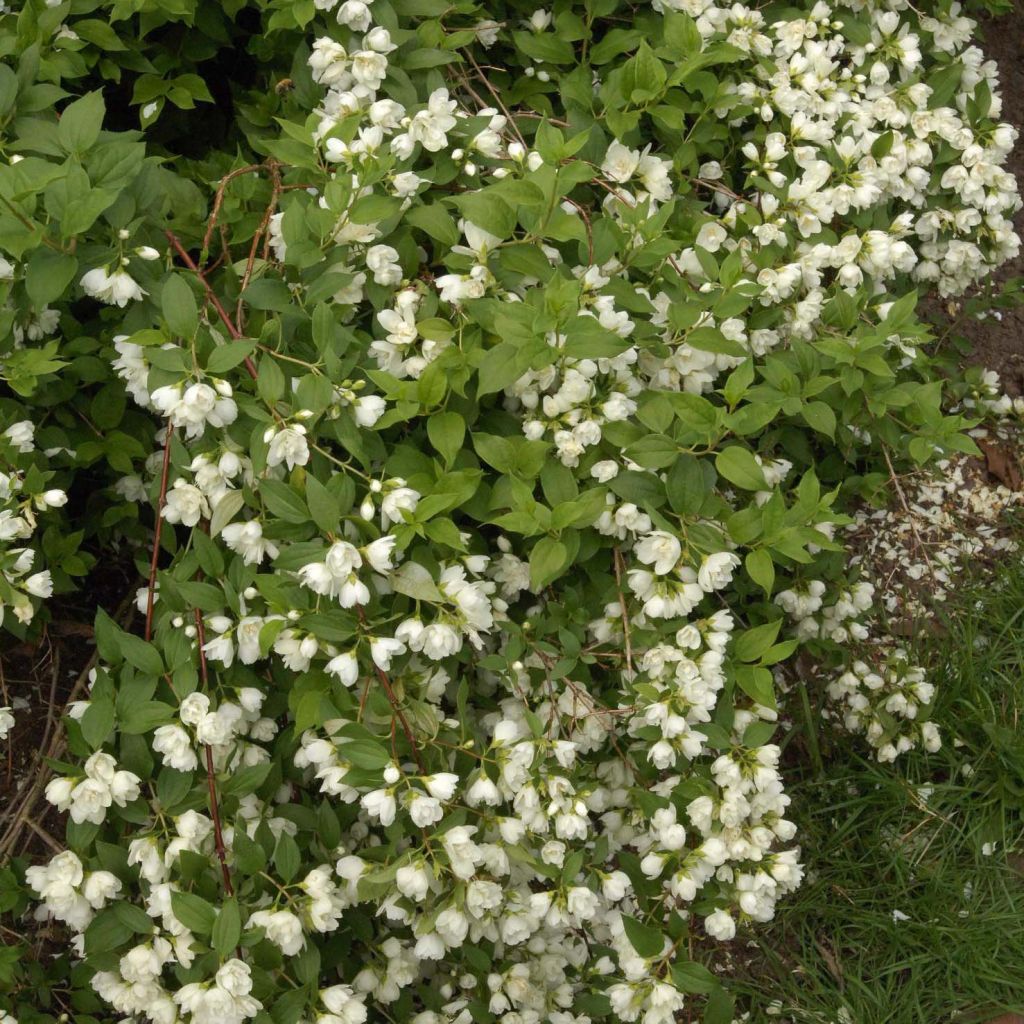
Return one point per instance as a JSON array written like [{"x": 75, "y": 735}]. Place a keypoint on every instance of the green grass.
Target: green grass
[{"x": 875, "y": 841}]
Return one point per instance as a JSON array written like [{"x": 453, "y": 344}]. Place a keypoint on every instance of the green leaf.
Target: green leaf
[
  {"x": 547, "y": 561},
  {"x": 249, "y": 856},
  {"x": 435, "y": 222},
  {"x": 106, "y": 932},
  {"x": 227, "y": 507},
  {"x": 752, "y": 643},
  {"x": 689, "y": 976},
  {"x": 226, "y": 357},
  {"x": 80, "y": 122},
  {"x": 647, "y": 941},
  {"x": 761, "y": 569},
  {"x": 48, "y": 275},
  {"x": 739, "y": 467},
  {"x": 270, "y": 382},
  {"x": 134, "y": 917},
  {"x": 324, "y": 507},
  {"x": 144, "y": 656},
  {"x": 178, "y": 305},
  {"x": 757, "y": 683},
  {"x": 446, "y": 431},
  {"x": 283, "y": 501},
  {"x": 98, "y": 721},
  {"x": 820, "y": 417},
  {"x": 287, "y": 857},
  {"x": 193, "y": 912},
  {"x": 227, "y": 929},
  {"x": 247, "y": 780}
]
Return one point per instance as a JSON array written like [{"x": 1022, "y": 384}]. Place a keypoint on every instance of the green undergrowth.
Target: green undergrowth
[{"x": 912, "y": 909}]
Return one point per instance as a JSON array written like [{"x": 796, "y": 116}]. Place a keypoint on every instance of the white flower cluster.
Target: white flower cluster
[
  {"x": 23, "y": 495},
  {"x": 69, "y": 892},
  {"x": 88, "y": 797},
  {"x": 882, "y": 702},
  {"x": 497, "y": 776}
]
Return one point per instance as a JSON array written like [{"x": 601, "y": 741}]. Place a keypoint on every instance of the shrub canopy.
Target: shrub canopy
[{"x": 490, "y": 375}]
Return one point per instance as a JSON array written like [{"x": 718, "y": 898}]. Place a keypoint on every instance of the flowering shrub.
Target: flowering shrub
[{"x": 491, "y": 409}]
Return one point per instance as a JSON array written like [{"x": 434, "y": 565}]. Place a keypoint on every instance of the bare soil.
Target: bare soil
[{"x": 999, "y": 344}]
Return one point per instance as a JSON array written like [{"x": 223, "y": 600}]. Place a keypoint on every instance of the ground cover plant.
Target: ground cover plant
[
  {"x": 477, "y": 390},
  {"x": 915, "y": 882}
]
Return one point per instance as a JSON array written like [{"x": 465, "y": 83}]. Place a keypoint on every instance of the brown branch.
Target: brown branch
[
  {"x": 235, "y": 333},
  {"x": 617, "y": 559},
  {"x": 590, "y": 231},
  {"x": 906, "y": 508},
  {"x": 497, "y": 99},
  {"x": 218, "y": 833},
  {"x": 275, "y": 195},
  {"x": 395, "y": 707},
  {"x": 218, "y": 201},
  {"x": 157, "y": 529}
]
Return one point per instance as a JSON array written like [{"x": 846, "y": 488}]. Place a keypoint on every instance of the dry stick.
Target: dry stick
[
  {"x": 19, "y": 813},
  {"x": 906, "y": 508},
  {"x": 44, "y": 835},
  {"x": 497, "y": 98},
  {"x": 590, "y": 232},
  {"x": 235, "y": 333},
  {"x": 617, "y": 559},
  {"x": 393, "y": 701},
  {"x": 275, "y": 194},
  {"x": 51, "y": 705},
  {"x": 157, "y": 529},
  {"x": 218, "y": 835},
  {"x": 218, "y": 201}
]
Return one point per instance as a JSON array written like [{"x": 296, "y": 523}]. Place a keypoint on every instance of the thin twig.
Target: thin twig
[
  {"x": 906, "y": 508},
  {"x": 497, "y": 99},
  {"x": 395, "y": 707},
  {"x": 617, "y": 559},
  {"x": 218, "y": 201},
  {"x": 218, "y": 834},
  {"x": 157, "y": 529},
  {"x": 275, "y": 195}
]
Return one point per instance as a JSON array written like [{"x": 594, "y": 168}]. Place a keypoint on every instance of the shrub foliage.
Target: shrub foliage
[{"x": 467, "y": 382}]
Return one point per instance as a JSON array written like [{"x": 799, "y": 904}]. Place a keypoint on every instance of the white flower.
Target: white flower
[
  {"x": 378, "y": 553},
  {"x": 429, "y": 127},
  {"x": 620, "y": 162},
  {"x": 287, "y": 445},
  {"x": 117, "y": 289},
  {"x": 383, "y": 649},
  {"x": 282, "y": 928},
  {"x": 660, "y": 549},
  {"x": 21, "y": 435},
  {"x": 711, "y": 236},
  {"x": 247, "y": 540},
  {"x": 40, "y": 584},
  {"x": 345, "y": 666},
  {"x": 716, "y": 571},
  {"x": 342, "y": 1001},
  {"x": 380, "y": 804},
  {"x": 400, "y": 499},
  {"x": 185, "y": 504},
  {"x": 424, "y": 810},
  {"x": 175, "y": 747},
  {"x": 720, "y": 925},
  {"x": 413, "y": 881},
  {"x": 368, "y": 409},
  {"x": 6, "y": 722},
  {"x": 382, "y": 262}
]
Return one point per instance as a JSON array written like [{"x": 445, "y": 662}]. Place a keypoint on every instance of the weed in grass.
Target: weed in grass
[{"x": 913, "y": 907}]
